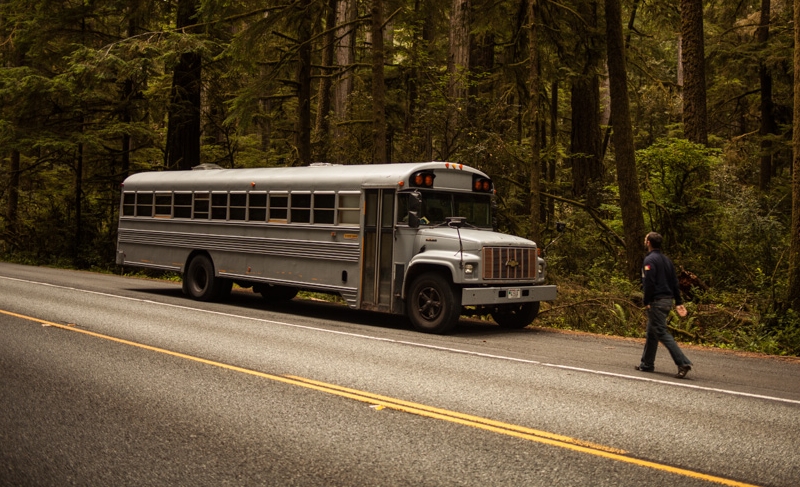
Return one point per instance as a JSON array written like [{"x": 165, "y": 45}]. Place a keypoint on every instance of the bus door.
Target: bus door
[{"x": 376, "y": 291}]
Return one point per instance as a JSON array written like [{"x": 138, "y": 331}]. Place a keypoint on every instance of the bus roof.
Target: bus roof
[{"x": 306, "y": 178}]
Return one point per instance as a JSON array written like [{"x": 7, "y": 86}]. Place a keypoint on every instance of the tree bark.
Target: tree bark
[
  {"x": 345, "y": 55},
  {"x": 457, "y": 71},
  {"x": 183, "y": 126},
  {"x": 535, "y": 89},
  {"x": 794, "y": 248},
  {"x": 324, "y": 97},
  {"x": 695, "y": 118},
  {"x": 303, "y": 131},
  {"x": 768, "y": 125},
  {"x": 622, "y": 139},
  {"x": 379, "y": 154},
  {"x": 585, "y": 134}
]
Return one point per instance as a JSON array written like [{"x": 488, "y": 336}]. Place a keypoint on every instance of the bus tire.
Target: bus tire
[
  {"x": 199, "y": 280},
  {"x": 432, "y": 304},
  {"x": 516, "y": 316}
]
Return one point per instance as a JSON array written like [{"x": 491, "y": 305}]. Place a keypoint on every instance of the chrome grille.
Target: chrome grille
[{"x": 509, "y": 263}]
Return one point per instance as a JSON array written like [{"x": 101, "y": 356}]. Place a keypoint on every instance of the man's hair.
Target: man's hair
[{"x": 655, "y": 239}]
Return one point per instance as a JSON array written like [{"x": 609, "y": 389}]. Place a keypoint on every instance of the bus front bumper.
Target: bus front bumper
[{"x": 472, "y": 296}]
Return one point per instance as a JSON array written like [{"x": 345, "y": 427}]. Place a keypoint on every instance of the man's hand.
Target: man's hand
[{"x": 681, "y": 309}]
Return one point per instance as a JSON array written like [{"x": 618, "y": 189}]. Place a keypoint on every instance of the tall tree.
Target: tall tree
[
  {"x": 768, "y": 125},
  {"x": 794, "y": 249},
  {"x": 303, "y": 131},
  {"x": 535, "y": 88},
  {"x": 586, "y": 137},
  {"x": 695, "y": 118},
  {"x": 183, "y": 126},
  {"x": 457, "y": 71},
  {"x": 379, "y": 153},
  {"x": 345, "y": 58},
  {"x": 324, "y": 97},
  {"x": 622, "y": 138}
]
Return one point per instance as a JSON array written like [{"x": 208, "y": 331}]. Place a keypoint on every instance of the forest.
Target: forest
[{"x": 616, "y": 117}]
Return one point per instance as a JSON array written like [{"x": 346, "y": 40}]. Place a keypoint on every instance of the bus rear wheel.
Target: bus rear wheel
[
  {"x": 516, "y": 316},
  {"x": 199, "y": 281},
  {"x": 432, "y": 304}
]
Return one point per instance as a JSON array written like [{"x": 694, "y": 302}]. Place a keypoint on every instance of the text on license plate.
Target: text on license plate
[{"x": 514, "y": 293}]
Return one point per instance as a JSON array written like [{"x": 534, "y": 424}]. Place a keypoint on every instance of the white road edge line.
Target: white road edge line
[{"x": 420, "y": 345}]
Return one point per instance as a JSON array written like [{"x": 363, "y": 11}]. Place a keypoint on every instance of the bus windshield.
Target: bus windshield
[{"x": 437, "y": 206}]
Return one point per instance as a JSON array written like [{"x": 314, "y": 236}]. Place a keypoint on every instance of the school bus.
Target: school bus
[{"x": 415, "y": 239}]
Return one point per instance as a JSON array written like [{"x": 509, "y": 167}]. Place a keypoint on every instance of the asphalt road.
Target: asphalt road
[{"x": 106, "y": 380}]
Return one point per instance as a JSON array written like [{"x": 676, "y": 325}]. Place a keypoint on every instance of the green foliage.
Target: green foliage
[{"x": 85, "y": 92}]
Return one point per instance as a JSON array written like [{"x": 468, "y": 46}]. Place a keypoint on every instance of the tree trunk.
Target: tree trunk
[
  {"x": 585, "y": 141},
  {"x": 622, "y": 138},
  {"x": 695, "y": 120},
  {"x": 794, "y": 249},
  {"x": 345, "y": 55},
  {"x": 303, "y": 131},
  {"x": 457, "y": 70},
  {"x": 768, "y": 125},
  {"x": 379, "y": 154},
  {"x": 535, "y": 89},
  {"x": 324, "y": 98},
  {"x": 183, "y": 126}
]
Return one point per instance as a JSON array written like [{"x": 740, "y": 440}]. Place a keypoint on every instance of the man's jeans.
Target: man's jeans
[{"x": 657, "y": 332}]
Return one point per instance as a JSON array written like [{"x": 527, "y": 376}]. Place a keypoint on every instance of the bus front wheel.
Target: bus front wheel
[
  {"x": 199, "y": 280},
  {"x": 432, "y": 305},
  {"x": 516, "y": 316}
]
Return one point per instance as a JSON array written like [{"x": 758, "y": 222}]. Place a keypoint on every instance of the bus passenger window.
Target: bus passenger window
[
  {"x": 301, "y": 208},
  {"x": 163, "y": 205},
  {"x": 278, "y": 205},
  {"x": 219, "y": 206},
  {"x": 257, "y": 208},
  {"x": 144, "y": 204},
  {"x": 238, "y": 206},
  {"x": 324, "y": 205},
  {"x": 201, "y": 206},
  {"x": 182, "y": 205},
  {"x": 349, "y": 208},
  {"x": 129, "y": 204}
]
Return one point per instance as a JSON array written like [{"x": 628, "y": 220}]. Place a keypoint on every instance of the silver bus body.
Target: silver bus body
[{"x": 385, "y": 237}]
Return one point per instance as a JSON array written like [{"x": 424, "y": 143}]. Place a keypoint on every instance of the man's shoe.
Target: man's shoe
[
  {"x": 682, "y": 371},
  {"x": 644, "y": 369}
]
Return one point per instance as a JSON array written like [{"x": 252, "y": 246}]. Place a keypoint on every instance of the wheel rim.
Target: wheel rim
[{"x": 429, "y": 303}]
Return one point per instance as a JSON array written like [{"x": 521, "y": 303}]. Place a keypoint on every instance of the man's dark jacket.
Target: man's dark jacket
[{"x": 659, "y": 279}]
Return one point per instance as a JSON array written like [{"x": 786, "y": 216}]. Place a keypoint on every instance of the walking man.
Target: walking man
[{"x": 660, "y": 285}]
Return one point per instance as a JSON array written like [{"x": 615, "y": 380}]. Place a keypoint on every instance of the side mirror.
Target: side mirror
[{"x": 414, "y": 205}]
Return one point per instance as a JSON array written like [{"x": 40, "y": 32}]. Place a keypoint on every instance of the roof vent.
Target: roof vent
[{"x": 206, "y": 166}]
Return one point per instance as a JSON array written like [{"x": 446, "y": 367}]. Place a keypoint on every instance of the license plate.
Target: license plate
[{"x": 514, "y": 293}]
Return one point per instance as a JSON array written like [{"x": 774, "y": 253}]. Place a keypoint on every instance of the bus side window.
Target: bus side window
[
  {"x": 129, "y": 204},
  {"x": 257, "y": 207},
  {"x": 349, "y": 208},
  {"x": 183, "y": 205},
  {"x": 278, "y": 205},
  {"x": 324, "y": 205},
  {"x": 163, "y": 205},
  {"x": 201, "y": 206},
  {"x": 238, "y": 209},
  {"x": 301, "y": 208},
  {"x": 144, "y": 204},
  {"x": 219, "y": 206}
]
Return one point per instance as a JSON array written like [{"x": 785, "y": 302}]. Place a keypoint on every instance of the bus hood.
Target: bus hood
[{"x": 471, "y": 239}]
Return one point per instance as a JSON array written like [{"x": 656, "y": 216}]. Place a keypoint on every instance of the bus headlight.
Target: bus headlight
[{"x": 469, "y": 269}]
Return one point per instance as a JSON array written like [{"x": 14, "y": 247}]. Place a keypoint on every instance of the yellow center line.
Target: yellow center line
[{"x": 486, "y": 424}]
